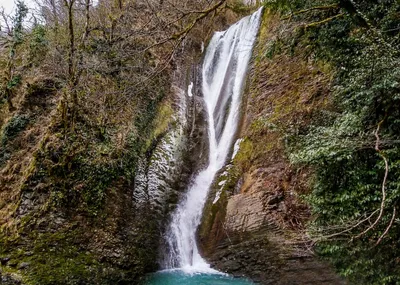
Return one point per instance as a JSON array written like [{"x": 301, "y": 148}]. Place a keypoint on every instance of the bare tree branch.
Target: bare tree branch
[
  {"x": 383, "y": 182},
  {"x": 347, "y": 229},
  {"x": 6, "y": 19},
  {"x": 323, "y": 21},
  {"x": 329, "y": 7},
  {"x": 181, "y": 34},
  {"x": 388, "y": 227}
]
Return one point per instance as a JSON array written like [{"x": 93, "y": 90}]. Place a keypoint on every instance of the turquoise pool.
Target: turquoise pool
[{"x": 178, "y": 277}]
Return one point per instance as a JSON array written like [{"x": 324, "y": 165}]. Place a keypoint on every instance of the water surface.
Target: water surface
[{"x": 178, "y": 277}]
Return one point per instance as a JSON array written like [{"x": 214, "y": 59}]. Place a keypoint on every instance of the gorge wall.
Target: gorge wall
[
  {"x": 91, "y": 166},
  {"x": 254, "y": 220}
]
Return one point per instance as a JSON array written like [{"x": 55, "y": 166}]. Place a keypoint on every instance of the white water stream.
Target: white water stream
[{"x": 223, "y": 73}]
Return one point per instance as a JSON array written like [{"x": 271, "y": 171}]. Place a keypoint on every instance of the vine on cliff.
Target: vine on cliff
[{"x": 354, "y": 150}]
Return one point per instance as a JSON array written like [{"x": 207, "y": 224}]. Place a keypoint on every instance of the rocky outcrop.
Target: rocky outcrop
[
  {"x": 177, "y": 152},
  {"x": 259, "y": 235}
]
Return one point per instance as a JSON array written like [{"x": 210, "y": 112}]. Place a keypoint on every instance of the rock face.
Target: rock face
[
  {"x": 256, "y": 241},
  {"x": 166, "y": 169},
  {"x": 244, "y": 212},
  {"x": 254, "y": 220}
]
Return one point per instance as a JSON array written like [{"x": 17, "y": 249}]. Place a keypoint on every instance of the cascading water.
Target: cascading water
[{"x": 223, "y": 74}]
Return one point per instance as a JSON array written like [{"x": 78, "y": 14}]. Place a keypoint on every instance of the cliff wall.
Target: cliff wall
[{"x": 254, "y": 222}]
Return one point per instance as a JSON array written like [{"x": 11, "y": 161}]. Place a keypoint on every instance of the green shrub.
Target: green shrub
[
  {"x": 349, "y": 171},
  {"x": 38, "y": 45},
  {"x": 14, "y": 126}
]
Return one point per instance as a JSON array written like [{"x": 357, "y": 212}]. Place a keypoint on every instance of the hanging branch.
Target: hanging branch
[
  {"x": 82, "y": 44},
  {"x": 388, "y": 227},
  {"x": 346, "y": 230},
  {"x": 383, "y": 182},
  {"x": 367, "y": 23},
  {"x": 183, "y": 33},
  {"x": 329, "y": 7},
  {"x": 382, "y": 206},
  {"x": 6, "y": 18},
  {"x": 164, "y": 64},
  {"x": 323, "y": 21},
  {"x": 178, "y": 38}
]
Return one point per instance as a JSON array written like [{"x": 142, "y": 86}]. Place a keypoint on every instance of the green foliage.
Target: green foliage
[
  {"x": 239, "y": 7},
  {"x": 12, "y": 79},
  {"x": 283, "y": 5},
  {"x": 20, "y": 14},
  {"x": 54, "y": 258},
  {"x": 57, "y": 259},
  {"x": 340, "y": 142},
  {"x": 38, "y": 45},
  {"x": 273, "y": 47},
  {"x": 14, "y": 82},
  {"x": 13, "y": 127},
  {"x": 353, "y": 258}
]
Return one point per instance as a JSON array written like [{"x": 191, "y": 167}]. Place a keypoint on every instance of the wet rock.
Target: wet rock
[
  {"x": 23, "y": 265},
  {"x": 10, "y": 278},
  {"x": 275, "y": 199},
  {"x": 4, "y": 260},
  {"x": 232, "y": 265},
  {"x": 12, "y": 263}
]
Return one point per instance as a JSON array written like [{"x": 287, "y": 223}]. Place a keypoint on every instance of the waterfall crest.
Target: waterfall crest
[{"x": 223, "y": 75}]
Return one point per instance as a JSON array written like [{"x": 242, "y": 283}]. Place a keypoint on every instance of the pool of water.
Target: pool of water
[{"x": 178, "y": 277}]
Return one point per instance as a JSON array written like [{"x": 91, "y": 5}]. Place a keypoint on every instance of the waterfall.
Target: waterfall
[{"x": 223, "y": 74}]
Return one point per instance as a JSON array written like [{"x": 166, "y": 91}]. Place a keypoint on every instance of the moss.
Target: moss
[
  {"x": 211, "y": 230},
  {"x": 163, "y": 119},
  {"x": 81, "y": 176},
  {"x": 3, "y": 110},
  {"x": 51, "y": 259},
  {"x": 243, "y": 158},
  {"x": 63, "y": 264},
  {"x": 239, "y": 7},
  {"x": 61, "y": 258}
]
